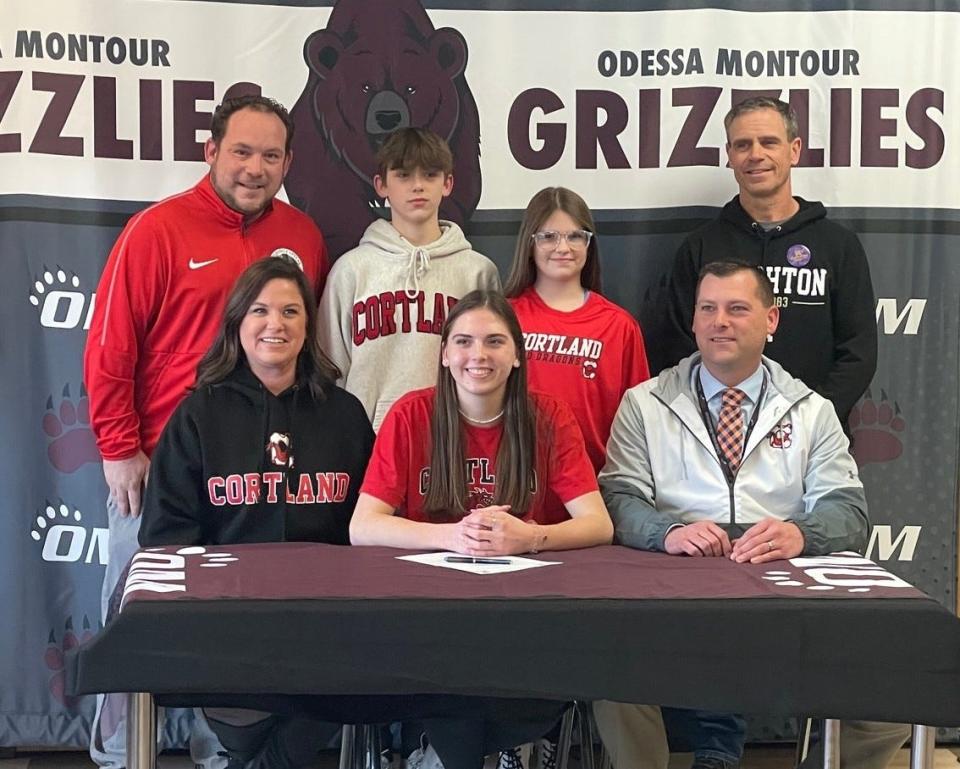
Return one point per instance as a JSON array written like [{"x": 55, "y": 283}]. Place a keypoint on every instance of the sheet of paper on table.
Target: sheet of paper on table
[{"x": 517, "y": 563}]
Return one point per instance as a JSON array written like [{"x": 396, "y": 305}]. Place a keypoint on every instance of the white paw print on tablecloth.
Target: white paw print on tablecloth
[
  {"x": 846, "y": 572},
  {"x": 212, "y": 560}
]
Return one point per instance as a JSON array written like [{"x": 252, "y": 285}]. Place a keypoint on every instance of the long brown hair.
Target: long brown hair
[
  {"x": 523, "y": 270},
  {"x": 446, "y": 496},
  {"x": 226, "y": 354}
]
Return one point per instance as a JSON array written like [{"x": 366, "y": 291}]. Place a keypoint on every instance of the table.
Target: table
[{"x": 835, "y": 637}]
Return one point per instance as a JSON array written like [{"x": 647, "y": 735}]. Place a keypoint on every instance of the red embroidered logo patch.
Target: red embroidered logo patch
[{"x": 780, "y": 436}]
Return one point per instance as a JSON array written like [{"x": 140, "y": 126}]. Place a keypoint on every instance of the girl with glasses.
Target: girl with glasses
[{"x": 580, "y": 347}]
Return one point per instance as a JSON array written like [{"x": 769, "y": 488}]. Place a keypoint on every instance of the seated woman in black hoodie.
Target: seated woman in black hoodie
[
  {"x": 242, "y": 457},
  {"x": 246, "y": 457}
]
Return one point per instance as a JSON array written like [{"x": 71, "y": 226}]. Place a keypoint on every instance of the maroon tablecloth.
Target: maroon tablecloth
[
  {"x": 293, "y": 571},
  {"x": 835, "y": 637}
]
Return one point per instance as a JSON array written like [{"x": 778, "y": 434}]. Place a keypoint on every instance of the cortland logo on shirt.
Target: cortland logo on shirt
[
  {"x": 798, "y": 284},
  {"x": 568, "y": 350},
  {"x": 781, "y": 436},
  {"x": 478, "y": 497},
  {"x": 481, "y": 481},
  {"x": 393, "y": 312},
  {"x": 278, "y": 449},
  {"x": 249, "y": 488}
]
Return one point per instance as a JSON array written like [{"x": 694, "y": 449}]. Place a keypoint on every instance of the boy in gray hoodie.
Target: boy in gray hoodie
[{"x": 385, "y": 301}]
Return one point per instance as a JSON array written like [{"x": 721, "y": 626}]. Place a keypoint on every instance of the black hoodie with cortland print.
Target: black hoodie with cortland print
[{"x": 238, "y": 464}]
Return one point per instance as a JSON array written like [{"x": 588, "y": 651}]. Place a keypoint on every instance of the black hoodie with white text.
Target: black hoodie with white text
[{"x": 827, "y": 336}]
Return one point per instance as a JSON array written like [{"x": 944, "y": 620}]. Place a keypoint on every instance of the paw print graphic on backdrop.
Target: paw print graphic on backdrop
[
  {"x": 67, "y": 426},
  {"x": 876, "y": 430},
  {"x": 48, "y": 518},
  {"x": 51, "y": 282},
  {"x": 53, "y": 658}
]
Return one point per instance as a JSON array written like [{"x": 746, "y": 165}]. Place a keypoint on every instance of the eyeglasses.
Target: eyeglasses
[{"x": 551, "y": 238}]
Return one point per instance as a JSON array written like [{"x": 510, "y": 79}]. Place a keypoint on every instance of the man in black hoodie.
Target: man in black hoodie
[{"x": 827, "y": 335}]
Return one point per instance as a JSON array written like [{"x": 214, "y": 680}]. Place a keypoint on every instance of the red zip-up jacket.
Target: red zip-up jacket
[{"x": 160, "y": 301}]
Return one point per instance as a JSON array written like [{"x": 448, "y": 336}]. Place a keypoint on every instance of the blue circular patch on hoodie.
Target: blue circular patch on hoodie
[{"x": 798, "y": 255}]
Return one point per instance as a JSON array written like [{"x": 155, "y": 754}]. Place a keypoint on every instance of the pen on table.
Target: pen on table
[{"x": 471, "y": 559}]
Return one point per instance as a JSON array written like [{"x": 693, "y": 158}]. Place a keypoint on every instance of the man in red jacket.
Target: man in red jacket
[{"x": 159, "y": 304}]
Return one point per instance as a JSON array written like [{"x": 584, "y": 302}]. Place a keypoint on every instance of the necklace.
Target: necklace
[{"x": 494, "y": 418}]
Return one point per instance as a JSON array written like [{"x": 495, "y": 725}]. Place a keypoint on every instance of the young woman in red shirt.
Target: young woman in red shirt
[
  {"x": 478, "y": 465},
  {"x": 580, "y": 347}
]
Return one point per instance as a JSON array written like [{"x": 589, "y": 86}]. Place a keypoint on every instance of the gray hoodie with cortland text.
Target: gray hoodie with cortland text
[{"x": 384, "y": 305}]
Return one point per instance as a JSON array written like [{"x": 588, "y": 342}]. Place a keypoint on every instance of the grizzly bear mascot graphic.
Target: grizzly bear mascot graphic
[{"x": 376, "y": 67}]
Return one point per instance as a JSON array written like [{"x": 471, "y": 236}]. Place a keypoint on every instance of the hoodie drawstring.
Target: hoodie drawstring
[{"x": 419, "y": 264}]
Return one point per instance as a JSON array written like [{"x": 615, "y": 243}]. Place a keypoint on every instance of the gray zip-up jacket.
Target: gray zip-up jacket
[{"x": 662, "y": 468}]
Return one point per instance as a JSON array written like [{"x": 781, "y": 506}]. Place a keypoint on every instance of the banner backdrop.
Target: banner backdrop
[{"x": 104, "y": 107}]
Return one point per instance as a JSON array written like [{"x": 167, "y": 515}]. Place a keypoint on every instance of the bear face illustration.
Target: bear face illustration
[
  {"x": 781, "y": 436},
  {"x": 479, "y": 497},
  {"x": 375, "y": 68},
  {"x": 278, "y": 449}
]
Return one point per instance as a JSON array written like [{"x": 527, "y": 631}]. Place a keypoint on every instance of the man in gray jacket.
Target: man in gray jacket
[{"x": 727, "y": 455}]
